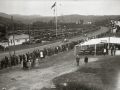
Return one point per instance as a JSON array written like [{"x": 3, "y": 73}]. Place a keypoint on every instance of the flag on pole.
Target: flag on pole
[{"x": 53, "y": 5}]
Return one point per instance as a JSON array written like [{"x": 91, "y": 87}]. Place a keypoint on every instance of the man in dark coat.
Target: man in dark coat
[
  {"x": 16, "y": 57},
  {"x": 6, "y": 61},
  {"x": 26, "y": 64},
  {"x": 77, "y": 60},
  {"x": 23, "y": 64},
  {"x": 44, "y": 54},
  {"x": 0, "y": 65},
  {"x": 9, "y": 61},
  {"x": 20, "y": 57},
  {"x": 86, "y": 59},
  {"x": 112, "y": 51}
]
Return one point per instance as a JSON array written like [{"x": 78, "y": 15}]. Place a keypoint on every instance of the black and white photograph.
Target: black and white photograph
[{"x": 59, "y": 45}]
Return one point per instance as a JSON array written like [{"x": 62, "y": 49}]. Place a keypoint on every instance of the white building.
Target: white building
[{"x": 19, "y": 39}]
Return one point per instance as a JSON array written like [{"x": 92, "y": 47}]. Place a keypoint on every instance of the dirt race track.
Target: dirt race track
[
  {"x": 49, "y": 68},
  {"x": 36, "y": 79},
  {"x": 103, "y": 29}
]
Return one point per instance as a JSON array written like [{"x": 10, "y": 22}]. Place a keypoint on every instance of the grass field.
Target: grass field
[{"x": 99, "y": 75}]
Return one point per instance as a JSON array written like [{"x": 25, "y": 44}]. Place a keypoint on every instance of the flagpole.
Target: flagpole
[{"x": 56, "y": 19}]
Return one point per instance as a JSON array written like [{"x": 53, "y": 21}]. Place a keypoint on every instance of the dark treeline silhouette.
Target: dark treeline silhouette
[
  {"x": 6, "y": 24},
  {"x": 102, "y": 22},
  {"x": 51, "y": 24}
]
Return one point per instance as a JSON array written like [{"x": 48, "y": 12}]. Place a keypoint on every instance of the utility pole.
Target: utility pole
[
  {"x": 56, "y": 19},
  {"x": 8, "y": 39},
  {"x": 13, "y": 34},
  {"x": 29, "y": 34},
  {"x": 109, "y": 33}
]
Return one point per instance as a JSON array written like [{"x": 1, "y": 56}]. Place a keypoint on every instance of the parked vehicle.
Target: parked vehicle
[
  {"x": 38, "y": 41},
  {"x": 3, "y": 48},
  {"x": 24, "y": 43},
  {"x": 65, "y": 40},
  {"x": 33, "y": 41}
]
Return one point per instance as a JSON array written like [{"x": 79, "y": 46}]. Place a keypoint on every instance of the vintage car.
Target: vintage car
[{"x": 65, "y": 40}]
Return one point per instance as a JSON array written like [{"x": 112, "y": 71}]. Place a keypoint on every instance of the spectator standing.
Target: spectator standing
[
  {"x": 36, "y": 63},
  {"x": 41, "y": 54},
  {"x": 77, "y": 60},
  {"x": 0, "y": 64},
  {"x": 86, "y": 59},
  {"x": 104, "y": 51},
  {"x": 44, "y": 54},
  {"x": 29, "y": 64},
  {"x": 9, "y": 61},
  {"x": 6, "y": 61},
  {"x": 32, "y": 62},
  {"x": 21, "y": 64},
  {"x": 20, "y": 57},
  {"x": 24, "y": 64},
  {"x": 114, "y": 50}
]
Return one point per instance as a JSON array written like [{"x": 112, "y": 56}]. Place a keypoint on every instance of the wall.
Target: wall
[{"x": 17, "y": 42}]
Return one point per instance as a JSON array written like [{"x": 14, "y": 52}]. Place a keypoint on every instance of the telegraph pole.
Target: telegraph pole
[
  {"x": 56, "y": 19},
  {"x": 109, "y": 34},
  {"x": 13, "y": 34},
  {"x": 29, "y": 34},
  {"x": 8, "y": 39}
]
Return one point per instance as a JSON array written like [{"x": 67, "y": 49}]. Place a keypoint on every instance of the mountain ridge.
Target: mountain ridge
[{"x": 27, "y": 19}]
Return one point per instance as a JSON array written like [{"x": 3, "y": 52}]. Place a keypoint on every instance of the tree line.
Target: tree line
[{"x": 6, "y": 25}]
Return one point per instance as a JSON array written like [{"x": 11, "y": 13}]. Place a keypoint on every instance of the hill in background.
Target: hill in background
[{"x": 26, "y": 19}]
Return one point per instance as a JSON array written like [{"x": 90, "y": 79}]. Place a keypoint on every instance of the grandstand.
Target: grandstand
[{"x": 95, "y": 46}]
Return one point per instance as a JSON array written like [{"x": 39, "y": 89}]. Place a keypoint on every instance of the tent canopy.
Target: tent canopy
[{"x": 115, "y": 40}]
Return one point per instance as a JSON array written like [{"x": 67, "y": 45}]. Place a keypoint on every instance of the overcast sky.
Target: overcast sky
[{"x": 81, "y": 7}]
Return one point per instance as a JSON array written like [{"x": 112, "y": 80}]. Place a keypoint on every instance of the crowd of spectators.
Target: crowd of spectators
[{"x": 32, "y": 59}]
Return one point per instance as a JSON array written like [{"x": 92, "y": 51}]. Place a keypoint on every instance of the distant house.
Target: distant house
[{"x": 19, "y": 39}]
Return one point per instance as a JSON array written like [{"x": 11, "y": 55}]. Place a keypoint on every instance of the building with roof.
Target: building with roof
[
  {"x": 99, "y": 41},
  {"x": 19, "y": 39}
]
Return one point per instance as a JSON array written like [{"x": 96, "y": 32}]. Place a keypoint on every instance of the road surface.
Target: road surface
[
  {"x": 103, "y": 29},
  {"x": 36, "y": 79}
]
